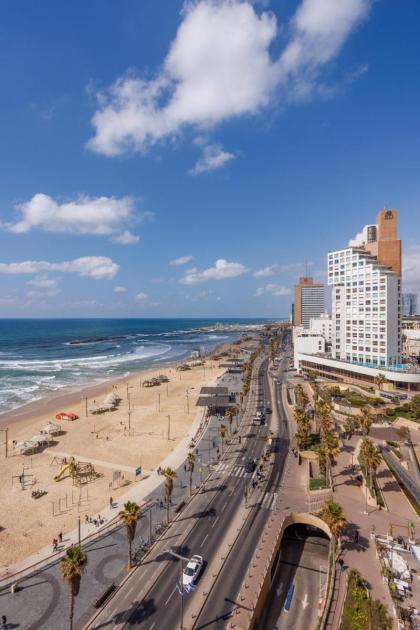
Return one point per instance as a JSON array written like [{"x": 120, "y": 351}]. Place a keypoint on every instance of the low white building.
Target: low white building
[
  {"x": 322, "y": 325},
  {"x": 307, "y": 343}
]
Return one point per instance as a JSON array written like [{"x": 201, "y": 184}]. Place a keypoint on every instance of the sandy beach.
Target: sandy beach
[{"x": 115, "y": 443}]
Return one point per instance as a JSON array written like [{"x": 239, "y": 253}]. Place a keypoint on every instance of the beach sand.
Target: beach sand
[{"x": 27, "y": 524}]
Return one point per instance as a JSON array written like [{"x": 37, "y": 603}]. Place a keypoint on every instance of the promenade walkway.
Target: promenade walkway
[{"x": 362, "y": 555}]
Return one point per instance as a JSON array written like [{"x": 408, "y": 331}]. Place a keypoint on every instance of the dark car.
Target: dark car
[
  {"x": 250, "y": 465},
  {"x": 268, "y": 409}
]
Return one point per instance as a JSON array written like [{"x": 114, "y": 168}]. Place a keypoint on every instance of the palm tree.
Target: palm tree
[
  {"x": 331, "y": 448},
  {"x": 72, "y": 567},
  {"x": 366, "y": 419},
  {"x": 302, "y": 422},
  {"x": 190, "y": 467},
  {"x": 129, "y": 516},
  {"x": 170, "y": 476},
  {"x": 229, "y": 413},
  {"x": 222, "y": 431},
  {"x": 371, "y": 457},
  {"x": 333, "y": 515},
  {"x": 380, "y": 379},
  {"x": 322, "y": 412}
]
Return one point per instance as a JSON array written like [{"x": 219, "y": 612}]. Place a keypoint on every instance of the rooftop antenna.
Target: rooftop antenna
[{"x": 306, "y": 267}]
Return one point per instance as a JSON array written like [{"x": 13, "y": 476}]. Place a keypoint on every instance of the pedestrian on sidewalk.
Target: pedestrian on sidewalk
[
  {"x": 356, "y": 537},
  {"x": 55, "y": 543},
  {"x": 3, "y": 622},
  {"x": 60, "y": 537},
  {"x": 111, "y": 502}
]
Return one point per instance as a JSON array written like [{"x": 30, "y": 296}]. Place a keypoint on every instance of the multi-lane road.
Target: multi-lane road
[
  {"x": 159, "y": 605},
  {"x": 303, "y": 562},
  {"x": 208, "y": 516}
]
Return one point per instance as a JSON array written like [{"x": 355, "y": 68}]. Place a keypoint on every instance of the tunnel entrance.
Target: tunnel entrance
[{"x": 298, "y": 579}]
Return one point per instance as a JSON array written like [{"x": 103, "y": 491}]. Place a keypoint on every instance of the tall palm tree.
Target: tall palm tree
[
  {"x": 229, "y": 413},
  {"x": 322, "y": 413},
  {"x": 331, "y": 448},
  {"x": 380, "y": 380},
  {"x": 170, "y": 476},
  {"x": 129, "y": 516},
  {"x": 302, "y": 422},
  {"x": 222, "y": 431},
  {"x": 72, "y": 567},
  {"x": 190, "y": 467},
  {"x": 333, "y": 515},
  {"x": 371, "y": 457},
  {"x": 366, "y": 419}
]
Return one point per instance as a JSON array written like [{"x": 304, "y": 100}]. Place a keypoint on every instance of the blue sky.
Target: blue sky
[{"x": 185, "y": 159}]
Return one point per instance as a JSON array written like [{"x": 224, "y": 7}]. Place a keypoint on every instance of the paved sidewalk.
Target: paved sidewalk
[{"x": 362, "y": 556}]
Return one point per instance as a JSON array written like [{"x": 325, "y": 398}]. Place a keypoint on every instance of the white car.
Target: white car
[{"x": 192, "y": 570}]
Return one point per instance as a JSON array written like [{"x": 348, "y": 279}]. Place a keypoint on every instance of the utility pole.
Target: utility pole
[
  {"x": 169, "y": 427},
  {"x": 181, "y": 592},
  {"x": 129, "y": 422},
  {"x": 159, "y": 403}
]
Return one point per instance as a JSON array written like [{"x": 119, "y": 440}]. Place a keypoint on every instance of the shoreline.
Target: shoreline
[{"x": 53, "y": 402}]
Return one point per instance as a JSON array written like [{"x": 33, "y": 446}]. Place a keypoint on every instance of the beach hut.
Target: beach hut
[
  {"x": 41, "y": 439},
  {"x": 25, "y": 447},
  {"x": 52, "y": 428},
  {"x": 110, "y": 401}
]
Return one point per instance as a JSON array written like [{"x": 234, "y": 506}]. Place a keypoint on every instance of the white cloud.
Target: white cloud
[
  {"x": 273, "y": 289},
  {"x": 104, "y": 216},
  {"x": 141, "y": 297},
  {"x": 43, "y": 293},
  {"x": 291, "y": 268},
  {"x": 96, "y": 267},
  {"x": 182, "y": 260},
  {"x": 219, "y": 67},
  {"x": 221, "y": 270},
  {"x": 265, "y": 272},
  {"x": 126, "y": 238},
  {"x": 119, "y": 289},
  {"x": 43, "y": 282},
  {"x": 213, "y": 157}
]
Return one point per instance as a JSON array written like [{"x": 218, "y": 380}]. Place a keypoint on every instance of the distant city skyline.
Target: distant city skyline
[{"x": 139, "y": 180}]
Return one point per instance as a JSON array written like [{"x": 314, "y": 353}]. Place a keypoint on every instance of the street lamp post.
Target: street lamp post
[
  {"x": 188, "y": 401},
  {"x": 181, "y": 559},
  {"x": 169, "y": 427}
]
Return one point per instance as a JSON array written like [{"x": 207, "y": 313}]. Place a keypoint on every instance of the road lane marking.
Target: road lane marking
[
  {"x": 152, "y": 626},
  {"x": 305, "y": 602},
  {"x": 215, "y": 521},
  {"x": 204, "y": 540},
  {"x": 166, "y": 603}
]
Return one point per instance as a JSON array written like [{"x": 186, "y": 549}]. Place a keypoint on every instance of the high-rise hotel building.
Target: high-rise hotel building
[
  {"x": 366, "y": 295},
  {"x": 365, "y": 279},
  {"x": 309, "y": 301}
]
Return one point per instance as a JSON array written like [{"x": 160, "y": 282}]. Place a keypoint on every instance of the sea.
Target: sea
[{"x": 43, "y": 356}]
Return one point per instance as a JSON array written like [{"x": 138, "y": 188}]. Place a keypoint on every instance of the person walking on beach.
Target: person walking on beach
[
  {"x": 55, "y": 543},
  {"x": 111, "y": 502},
  {"x": 60, "y": 537}
]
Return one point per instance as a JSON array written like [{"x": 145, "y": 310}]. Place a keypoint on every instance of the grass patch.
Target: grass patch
[
  {"x": 318, "y": 483},
  {"x": 360, "y": 612}
]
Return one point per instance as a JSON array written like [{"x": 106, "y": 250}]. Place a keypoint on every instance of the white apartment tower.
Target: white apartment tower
[{"x": 366, "y": 295}]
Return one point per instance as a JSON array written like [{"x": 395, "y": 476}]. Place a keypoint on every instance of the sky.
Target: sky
[{"x": 193, "y": 158}]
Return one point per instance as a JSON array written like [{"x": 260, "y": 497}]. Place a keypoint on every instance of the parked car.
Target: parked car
[
  {"x": 192, "y": 570},
  {"x": 250, "y": 465}
]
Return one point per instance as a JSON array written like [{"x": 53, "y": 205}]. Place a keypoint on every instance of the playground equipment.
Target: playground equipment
[{"x": 80, "y": 472}]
